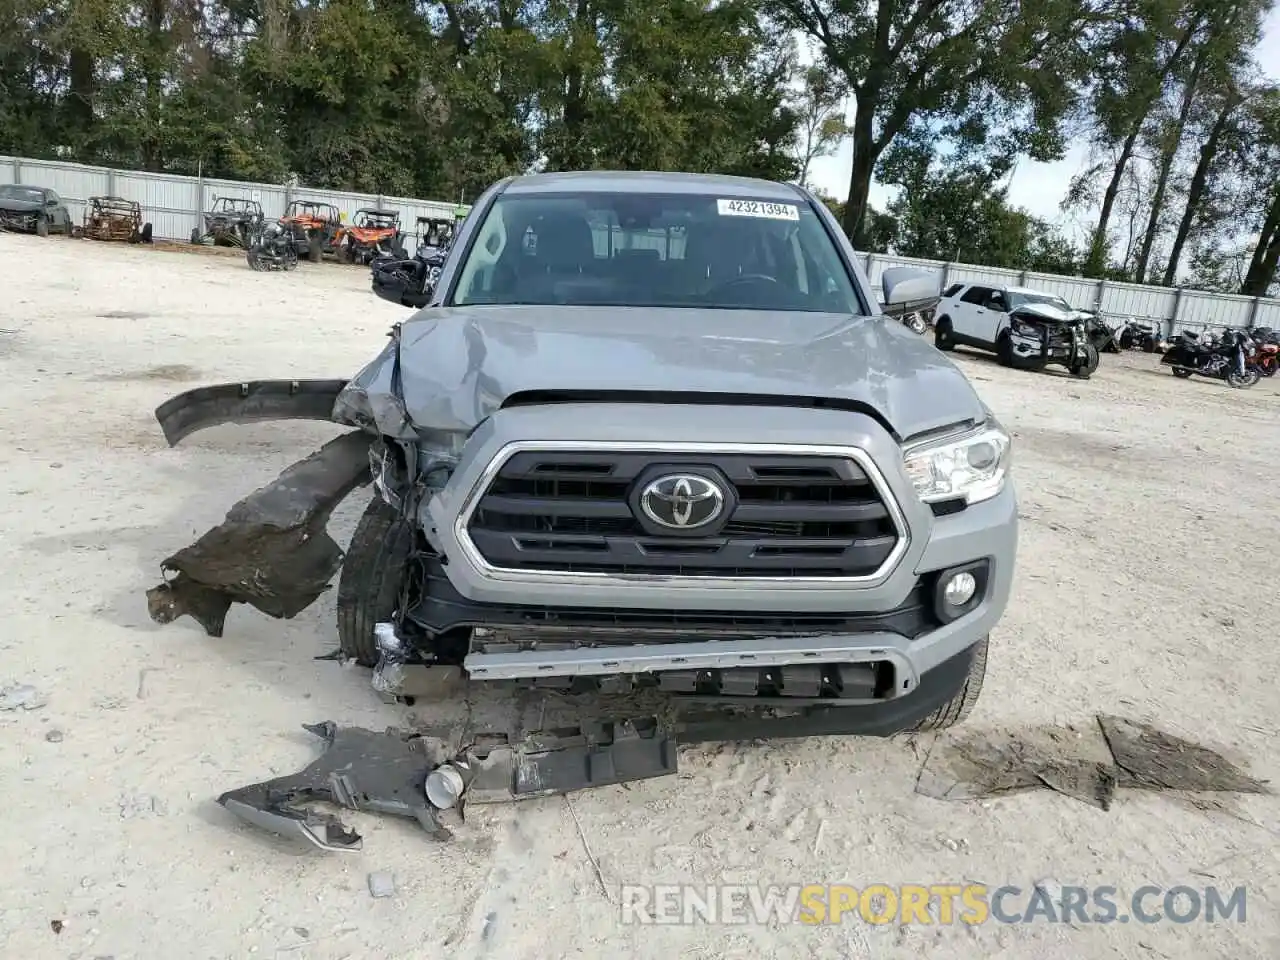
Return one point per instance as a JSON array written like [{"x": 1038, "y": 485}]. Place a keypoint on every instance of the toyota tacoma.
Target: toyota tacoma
[{"x": 651, "y": 431}]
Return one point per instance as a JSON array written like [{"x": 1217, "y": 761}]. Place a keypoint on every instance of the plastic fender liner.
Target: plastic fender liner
[{"x": 252, "y": 401}]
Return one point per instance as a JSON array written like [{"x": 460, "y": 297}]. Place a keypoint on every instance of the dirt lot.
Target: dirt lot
[{"x": 1146, "y": 587}]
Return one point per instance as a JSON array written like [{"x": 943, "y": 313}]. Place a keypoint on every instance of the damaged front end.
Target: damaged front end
[{"x": 511, "y": 456}]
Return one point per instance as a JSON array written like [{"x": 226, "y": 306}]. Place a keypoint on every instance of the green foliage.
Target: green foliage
[{"x": 440, "y": 98}]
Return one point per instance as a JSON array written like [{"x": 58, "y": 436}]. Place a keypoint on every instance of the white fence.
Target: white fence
[{"x": 174, "y": 205}]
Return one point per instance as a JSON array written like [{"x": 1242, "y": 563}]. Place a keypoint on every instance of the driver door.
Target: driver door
[{"x": 995, "y": 316}]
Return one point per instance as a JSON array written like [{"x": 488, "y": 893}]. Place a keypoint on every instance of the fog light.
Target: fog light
[{"x": 960, "y": 589}]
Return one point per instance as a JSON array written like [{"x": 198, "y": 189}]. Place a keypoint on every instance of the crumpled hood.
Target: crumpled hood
[
  {"x": 450, "y": 368},
  {"x": 1047, "y": 312}
]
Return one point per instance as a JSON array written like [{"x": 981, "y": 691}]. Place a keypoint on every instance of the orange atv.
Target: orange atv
[
  {"x": 374, "y": 233},
  {"x": 316, "y": 228}
]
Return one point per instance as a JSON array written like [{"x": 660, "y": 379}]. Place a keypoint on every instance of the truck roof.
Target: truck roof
[{"x": 638, "y": 181}]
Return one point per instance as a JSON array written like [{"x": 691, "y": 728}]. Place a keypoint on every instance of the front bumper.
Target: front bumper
[
  {"x": 929, "y": 544},
  {"x": 18, "y": 222}
]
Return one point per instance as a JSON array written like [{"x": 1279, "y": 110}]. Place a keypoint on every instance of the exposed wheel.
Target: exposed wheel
[
  {"x": 1086, "y": 369},
  {"x": 916, "y": 324},
  {"x": 1004, "y": 350},
  {"x": 42, "y": 228},
  {"x": 195, "y": 235},
  {"x": 959, "y": 707},
  {"x": 1269, "y": 370},
  {"x": 145, "y": 235},
  {"x": 942, "y": 335},
  {"x": 372, "y": 573},
  {"x": 1243, "y": 380},
  {"x": 314, "y": 252}
]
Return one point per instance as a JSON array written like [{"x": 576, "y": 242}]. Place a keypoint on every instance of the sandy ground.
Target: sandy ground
[{"x": 1146, "y": 586}]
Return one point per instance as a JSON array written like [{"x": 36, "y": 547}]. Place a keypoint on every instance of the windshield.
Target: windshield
[
  {"x": 12, "y": 192},
  {"x": 1022, "y": 299},
  {"x": 654, "y": 250}
]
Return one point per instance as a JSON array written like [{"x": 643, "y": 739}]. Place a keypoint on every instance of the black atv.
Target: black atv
[
  {"x": 231, "y": 222},
  {"x": 410, "y": 282}
]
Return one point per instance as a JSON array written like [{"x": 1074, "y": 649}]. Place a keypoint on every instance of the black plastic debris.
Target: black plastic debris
[{"x": 387, "y": 773}]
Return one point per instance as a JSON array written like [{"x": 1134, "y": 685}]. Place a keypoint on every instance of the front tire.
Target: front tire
[
  {"x": 1086, "y": 370},
  {"x": 942, "y": 335},
  {"x": 1004, "y": 350},
  {"x": 42, "y": 228},
  {"x": 1181, "y": 373},
  {"x": 1241, "y": 381},
  {"x": 373, "y": 572},
  {"x": 959, "y": 707}
]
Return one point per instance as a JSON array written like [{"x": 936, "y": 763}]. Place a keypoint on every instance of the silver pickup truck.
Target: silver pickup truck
[{"x": 650, "y": 431}]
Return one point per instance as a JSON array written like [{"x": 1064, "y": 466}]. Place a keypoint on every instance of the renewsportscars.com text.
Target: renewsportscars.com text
[{"x": 934, "y": 904}]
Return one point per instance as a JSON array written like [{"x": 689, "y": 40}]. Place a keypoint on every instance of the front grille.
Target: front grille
[{"x": 785, "y": 516}]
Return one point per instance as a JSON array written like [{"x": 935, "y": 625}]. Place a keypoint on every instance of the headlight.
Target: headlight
[{"x": 973, "y": 466}]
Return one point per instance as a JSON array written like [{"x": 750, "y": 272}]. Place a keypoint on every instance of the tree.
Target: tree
[
  {"x": 910, "y": 60},
  {"x": 820, "y": 108}
]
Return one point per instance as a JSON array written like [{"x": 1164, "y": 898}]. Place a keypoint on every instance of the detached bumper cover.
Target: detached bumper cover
[{"x": 387, "y": 772}]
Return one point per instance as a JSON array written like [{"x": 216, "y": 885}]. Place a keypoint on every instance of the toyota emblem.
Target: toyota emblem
[{"x": 682, "y": 501}]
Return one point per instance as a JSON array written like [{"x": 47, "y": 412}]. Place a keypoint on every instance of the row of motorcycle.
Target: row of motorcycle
[{"x": 1239, "y": 357}]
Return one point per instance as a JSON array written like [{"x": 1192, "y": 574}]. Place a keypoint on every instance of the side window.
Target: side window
[
  {"x": 51, "y": 198},
  {"x": 952, "y": 290},
  {"x": 978, "y": 296},
  {"x": 997, "y": 301}
]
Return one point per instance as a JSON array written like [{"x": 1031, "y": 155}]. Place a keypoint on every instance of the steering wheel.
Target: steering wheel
[{"x": 743, "y": 278}]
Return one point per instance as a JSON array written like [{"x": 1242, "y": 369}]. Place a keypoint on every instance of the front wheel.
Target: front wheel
[
  {"x": 42, "y": 228},
  {"x": 1182, "y": 372},
  {"x": 942, "y": 335},
  {"x": 1004, "y": 351},
  {"x": 959, "y": 707},
  {"x": 373, "y": 571},
  {"x": 1086, "y": 368},
  {"x": 1243, "y": 380}
]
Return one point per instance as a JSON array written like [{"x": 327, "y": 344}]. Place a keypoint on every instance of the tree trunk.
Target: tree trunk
[
  {"x": 1097, "y": 259},
  {"x": 1168, "y": 151},
  {"x": 1195, "y": 191},
  {"x": 864, "y": 163},
  {"x": 1266, "y": 255}
]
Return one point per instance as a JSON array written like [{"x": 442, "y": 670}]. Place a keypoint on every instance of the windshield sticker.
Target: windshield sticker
[{"x": 758, "y": 208}]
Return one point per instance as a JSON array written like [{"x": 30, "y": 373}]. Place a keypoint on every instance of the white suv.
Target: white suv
[{"x": 976, "y": 315}]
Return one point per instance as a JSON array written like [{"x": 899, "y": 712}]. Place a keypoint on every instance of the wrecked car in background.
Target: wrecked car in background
[
  {"x": 651, "y": 434},
  {"x": 37, "y": 210}
]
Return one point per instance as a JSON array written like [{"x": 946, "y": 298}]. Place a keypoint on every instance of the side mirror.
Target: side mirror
[{"x": 909, "y": 288}]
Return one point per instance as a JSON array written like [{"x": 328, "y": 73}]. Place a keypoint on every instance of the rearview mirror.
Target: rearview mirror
[{"x": 909, "y": 287}]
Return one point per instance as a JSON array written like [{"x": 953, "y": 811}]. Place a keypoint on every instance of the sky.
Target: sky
[{"x": 1037, "y": 187}]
